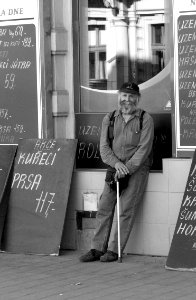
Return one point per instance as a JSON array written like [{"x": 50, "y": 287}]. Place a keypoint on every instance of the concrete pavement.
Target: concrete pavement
[{"x": 35, "y": 277}]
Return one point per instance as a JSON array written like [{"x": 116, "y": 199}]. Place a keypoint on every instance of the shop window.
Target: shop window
[
  {"x": 97, "y": 56},
  {"x": 107, "y": 58},
  {"x": 120, "y": 40},
  {"x": 158, "y": 48},
  {"x": 97, "y": 65}
]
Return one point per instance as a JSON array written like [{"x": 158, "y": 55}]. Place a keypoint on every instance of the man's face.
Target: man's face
[{"x": 128, "y": 102}]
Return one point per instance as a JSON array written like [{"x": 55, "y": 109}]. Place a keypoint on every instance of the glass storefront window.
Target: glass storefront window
[{"x": 120, "y": 40}]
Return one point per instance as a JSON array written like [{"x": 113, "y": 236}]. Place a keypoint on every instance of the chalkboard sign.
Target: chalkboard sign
[
  {"x": 187, "y": 80},
  {"x": 18, "y": 83},
  {"x": 39, "y": 194},
  {"x": 7, "y": 153},
  {"x": 88, "y": 130},
  {"x": 182, "y": 254}
]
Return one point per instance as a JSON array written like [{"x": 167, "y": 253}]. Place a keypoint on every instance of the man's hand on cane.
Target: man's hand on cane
[{"x": 121, "y": 170}]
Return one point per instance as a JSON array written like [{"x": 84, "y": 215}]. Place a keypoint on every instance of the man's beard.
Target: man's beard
[{"x": 127, "y": 109}]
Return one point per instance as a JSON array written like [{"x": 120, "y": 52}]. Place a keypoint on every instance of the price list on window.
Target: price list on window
[
  {"x": 187, "y": 80},
  {"x": 18, "y": 83}
]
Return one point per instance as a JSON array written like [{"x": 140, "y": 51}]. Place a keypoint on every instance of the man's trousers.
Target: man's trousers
[{"x": 130, "y": 199}]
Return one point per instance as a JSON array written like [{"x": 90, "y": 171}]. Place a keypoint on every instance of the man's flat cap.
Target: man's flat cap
[{"x": 130, "y": 88}]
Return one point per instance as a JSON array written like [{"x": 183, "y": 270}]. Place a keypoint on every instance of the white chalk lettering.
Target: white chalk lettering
[
  {"x": 18, "y": 64},
  {"x": 7, "y": 138},
  {"x": 187, "y": 85},
  {"x": 5, "y": 129},
  {"x": 186, "y": 37},
  {"x": 189, "y": 201},
  {"x": 4, "y": 113},
  {"x": 44, "y": 202},
  {"x": 3, "y": 32},
  {"x": 188, "y": 120},
  {"x": 81, "y": 150},
  {"x": 3, "y": 54},
  {"x": 89, "y": 130},
  {"x": 44, "y": 144},
  {"x": 15, "y": 43},
  {"x": 192, "y": 93},
  {"x": 187, "y": 24},
  {"x": 37, "y": 158},
  {"x": 188, "y": 103},
  {"x": 187, "y": 230},
  {"x": 4, "y": 64},
  {"x": 187, "y": 215},
  {"x": 24, "y": 181},
  {"x": 192, "y": 186},
  {"x": 54, "y": 156},
  {"x": 187, "y": 61},
  {"x": 186, "y": 49},
  {"x": 194, "y": 169},
  {"x": 187, "y": 73},
  {"x": 187, "y": 134},
  {"x": 88, "y": 150}
]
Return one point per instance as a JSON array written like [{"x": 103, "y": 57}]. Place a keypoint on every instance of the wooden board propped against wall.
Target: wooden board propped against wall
[
  {"x": 39, "y": 194},
  {"x": 182, "y": 254},
  {"x": 7, "y": 153}
]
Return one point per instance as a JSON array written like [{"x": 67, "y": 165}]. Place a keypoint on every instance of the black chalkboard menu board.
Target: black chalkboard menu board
[
  {"x": 39, "y": 194},
  {"x": 187, "y": 80},
  {"x": 88, "y": 130},
  {"x": 7, "y": 154},
  {"x": 18, "y": 83},
  {"x": 182, "y": 254}
]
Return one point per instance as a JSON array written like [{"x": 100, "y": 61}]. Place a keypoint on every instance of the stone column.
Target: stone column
[
  {"x": 132, "y": 33},
  {"x": 122, "y": 50},
  {"x": 117, "y": 50},
  {"x": 84, "y": 50}
]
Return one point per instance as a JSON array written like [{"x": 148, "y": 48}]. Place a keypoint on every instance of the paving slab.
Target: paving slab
[{"x": 64, "y": 277}]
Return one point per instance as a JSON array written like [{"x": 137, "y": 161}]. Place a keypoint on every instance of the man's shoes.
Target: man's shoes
[
  {"x": 109, "y": 256},
  {"x": 91, "y": 255}
]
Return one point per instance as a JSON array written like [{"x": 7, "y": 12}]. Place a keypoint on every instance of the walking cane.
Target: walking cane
[{"x": 118, "y": 221}]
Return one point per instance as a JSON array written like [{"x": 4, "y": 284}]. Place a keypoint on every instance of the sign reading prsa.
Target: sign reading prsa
[{"x": 39, "y": 194}]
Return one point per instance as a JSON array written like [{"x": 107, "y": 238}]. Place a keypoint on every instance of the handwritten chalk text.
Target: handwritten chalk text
[
  {"x": 24, "y": 181},
  {"x": 37, "y": 158}
]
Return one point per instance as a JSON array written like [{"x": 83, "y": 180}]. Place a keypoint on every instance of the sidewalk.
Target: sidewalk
[{"x": 35, "y": 277}]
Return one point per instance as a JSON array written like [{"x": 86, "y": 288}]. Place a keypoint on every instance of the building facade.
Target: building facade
[{"x": 87, "y": 49}]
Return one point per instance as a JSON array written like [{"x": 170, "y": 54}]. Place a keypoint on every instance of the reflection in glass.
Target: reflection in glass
[
  {"x": 120, "y": 44},
  {"x": 120, "y": 40}
]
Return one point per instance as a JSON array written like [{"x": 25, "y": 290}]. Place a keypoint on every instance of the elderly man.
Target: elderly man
[{"x": 127, "y": 149}]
